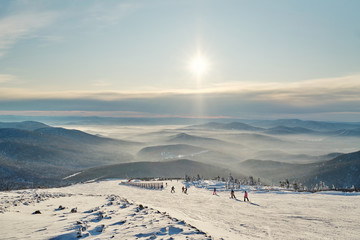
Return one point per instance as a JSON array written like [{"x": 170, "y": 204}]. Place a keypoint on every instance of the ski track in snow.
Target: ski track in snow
[{"x": 112, "y": 210}]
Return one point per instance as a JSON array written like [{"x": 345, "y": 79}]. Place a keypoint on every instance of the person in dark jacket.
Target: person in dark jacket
[{"x": 232, "y": 194}]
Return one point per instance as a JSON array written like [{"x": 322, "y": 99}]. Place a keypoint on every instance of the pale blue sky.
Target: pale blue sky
[{"x": 302, "y": 55}]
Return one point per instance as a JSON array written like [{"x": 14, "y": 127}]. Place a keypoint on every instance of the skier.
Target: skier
[
  {"x": 246, "y": 196},
  {"x": 172, "y": 189},
  {"x": 214, "y": 193},
  {"x": 232, "y": 194}
]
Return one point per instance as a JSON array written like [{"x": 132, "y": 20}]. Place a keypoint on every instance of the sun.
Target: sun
[{"x": 198, "y": 65}]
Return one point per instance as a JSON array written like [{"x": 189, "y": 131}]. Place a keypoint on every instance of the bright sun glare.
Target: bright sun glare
[{"x": 199, "y": 65}]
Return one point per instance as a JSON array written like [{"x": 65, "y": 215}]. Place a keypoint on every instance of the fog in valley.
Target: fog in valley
[
  {"x": 36, "y": 154},
  {"x": 266, "y": 153},
  {"x": 232, "y": 144}
]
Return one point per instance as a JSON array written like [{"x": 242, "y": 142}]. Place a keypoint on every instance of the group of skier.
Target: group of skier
[
  {"x": 232, "y": 193},
  {"x": 184, "y": 190}
]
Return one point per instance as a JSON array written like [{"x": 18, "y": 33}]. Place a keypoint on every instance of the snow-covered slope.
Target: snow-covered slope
[{"x": 111, "y": 210}]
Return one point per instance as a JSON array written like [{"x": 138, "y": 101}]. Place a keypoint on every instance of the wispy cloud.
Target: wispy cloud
[
  {"x": 6, "y": 78},
  {"x": 303, "y": 93},
  {"x": 101, "y": 83},
  {"x": 103, "y": 114},
  {"x": 22, "y": 25},
  {"x": 104, "y": 14},
  {"x": 75, "y": 113}
]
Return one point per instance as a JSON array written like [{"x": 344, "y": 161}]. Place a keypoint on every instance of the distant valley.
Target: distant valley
[{"x": 36, "y": 154}]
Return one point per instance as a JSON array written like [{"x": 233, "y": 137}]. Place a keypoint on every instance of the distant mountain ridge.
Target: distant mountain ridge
[
  {"x": 173, "y": 169},
  {"x": 80, "y": 136},
  {"x": 30, "y": 155},
  {"x": 26, "y": 125},
  {"x": 228, "y": 126},
  {"x": 341, "y": 171},
  {"x": 172, "y": 151},
  {"x": 313, "y": 125},
  {"x": 184, "y": 137},
  {"x": 288, "y": 130},
  {"x": 205, "y": 142},
  {"x": 288, "y": 126},
  {"x": 348, "y": 132}
]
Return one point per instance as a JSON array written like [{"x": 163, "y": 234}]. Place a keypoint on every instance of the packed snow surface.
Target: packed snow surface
[{"x": 113, "y": 210}]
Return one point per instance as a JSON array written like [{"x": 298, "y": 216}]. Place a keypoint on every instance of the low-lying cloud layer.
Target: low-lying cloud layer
[{"x": 333, "y": 99}]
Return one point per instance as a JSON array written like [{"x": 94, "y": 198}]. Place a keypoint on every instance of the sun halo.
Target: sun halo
[{"x": 199, "y": 65}]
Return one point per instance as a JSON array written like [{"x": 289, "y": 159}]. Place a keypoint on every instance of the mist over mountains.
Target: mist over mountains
[
  {"x": 228, "y": 126},
  {"x": 167, "y": 169},
  {"x": 341, "y": 171},
  {"x": 313, "y": 125},
  {"x": 34, "y": 153},
  {"x": 288, "y": 126}
]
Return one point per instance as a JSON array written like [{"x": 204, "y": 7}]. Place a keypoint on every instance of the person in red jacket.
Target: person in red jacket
[{"x": 246, "y": 196}]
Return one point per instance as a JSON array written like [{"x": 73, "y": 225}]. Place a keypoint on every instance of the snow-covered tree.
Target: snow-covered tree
[
  {"x": 198, "y": 177},
  {"x": 295, "y": 186},
  {"x": 251, "y": 180},
  {"x": 287, "y": 183}
]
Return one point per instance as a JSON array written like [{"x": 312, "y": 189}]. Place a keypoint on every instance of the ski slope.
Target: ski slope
[{"x": 110, "y": 210}]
